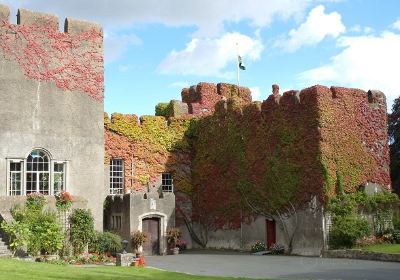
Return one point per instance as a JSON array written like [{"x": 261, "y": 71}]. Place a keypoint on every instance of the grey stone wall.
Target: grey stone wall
[
  {"x": 236, "y": 239},
  {"x": 68, "y": 124},
  {"x": 306, "y": 226},
  {"x": 134, "y": 207},
  {"x": 309, "y": 234}
]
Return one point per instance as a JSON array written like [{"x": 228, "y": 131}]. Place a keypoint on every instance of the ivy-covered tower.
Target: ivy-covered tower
[{"x": 51, "y": 91}]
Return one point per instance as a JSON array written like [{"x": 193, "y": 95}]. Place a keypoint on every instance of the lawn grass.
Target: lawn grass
[
  {"x": 16, "y": 269},
  {"x": 383, "y": 248}
]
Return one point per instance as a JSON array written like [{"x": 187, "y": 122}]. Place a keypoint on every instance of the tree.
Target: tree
[{"x": 394, "y": 141}]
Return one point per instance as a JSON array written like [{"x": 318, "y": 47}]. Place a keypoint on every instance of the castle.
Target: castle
[{"x": 226, "y": 170}]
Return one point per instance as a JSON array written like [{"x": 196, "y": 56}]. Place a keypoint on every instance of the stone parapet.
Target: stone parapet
[{"x": 361, "y": 255}]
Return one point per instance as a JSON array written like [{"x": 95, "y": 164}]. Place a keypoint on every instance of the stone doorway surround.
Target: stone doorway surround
[{"x": 162, "y": 228}]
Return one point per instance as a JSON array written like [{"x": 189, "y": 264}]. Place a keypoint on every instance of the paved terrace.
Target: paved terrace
[{"x": 285, "y": 267}]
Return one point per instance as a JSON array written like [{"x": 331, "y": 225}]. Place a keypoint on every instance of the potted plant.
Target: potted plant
[
  {"x": 64, "y": 201},
  {"x": 138, "y": 238},
  {"x": 173, "y": 234}
]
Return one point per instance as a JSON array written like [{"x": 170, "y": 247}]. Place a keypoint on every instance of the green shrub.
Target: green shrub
[
  {"x": 18, "y": 233},
  {"x": 163, "y": 109},
  {"x": 106, "y": 242},
  {"x": 35, "y": 202},
  {"x": 396, "y": 221},
  {"x": 346, "y": 230},
  {"x": 46, "y": 233},
  {"x": 37, "y": 230},
  {"x": 257, "y": 247},
  {"x": 82, "y": 229},
  {"x": 277, "y": 249},
  {"x": 396, "y": 236}
]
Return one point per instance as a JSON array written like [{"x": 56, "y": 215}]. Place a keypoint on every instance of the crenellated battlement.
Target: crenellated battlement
[
  {"x": 72, "y": 59},
  {"x": 202, "y": 98},
  {"x": 4, "y": 13},
  {"x": 28, "y": 17}
]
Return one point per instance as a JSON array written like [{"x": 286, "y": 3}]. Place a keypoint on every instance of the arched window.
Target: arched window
[{"x": 38, "y": 172}]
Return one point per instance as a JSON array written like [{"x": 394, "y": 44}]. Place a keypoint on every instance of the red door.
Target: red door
[
  {"x": 271, "y": 233},
  {"x": 151, "y": 226}
]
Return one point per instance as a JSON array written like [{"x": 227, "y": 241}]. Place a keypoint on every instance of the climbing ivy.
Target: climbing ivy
[
  {"x": 246, "y": 156},
  {"x": 154, "y": 130}
]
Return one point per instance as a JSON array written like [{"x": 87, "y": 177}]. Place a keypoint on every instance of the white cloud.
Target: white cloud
[
  {"x": 209, "y": 57},
  {"x": 255, "y": 94},
  {"x": 316, "y": 28},
  {"x": 115, "y": 45},
  {"x": 396, "y": 25},
  {"x": 367, "y": 62},
  {"x": 356, "y": 28},
  {"x": 208, "y": 16},
  {"x": 368, "y": 29}
]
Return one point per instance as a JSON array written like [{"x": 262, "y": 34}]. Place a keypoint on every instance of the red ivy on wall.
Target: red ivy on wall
[{"x": 72, "y": 61}]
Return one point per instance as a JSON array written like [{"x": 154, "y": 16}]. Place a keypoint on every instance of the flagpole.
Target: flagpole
[{"x": 237, "y": 67}]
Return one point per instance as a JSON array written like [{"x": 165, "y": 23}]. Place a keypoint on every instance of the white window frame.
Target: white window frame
[
  {"x": 23, "y": 162},
  {"x": 167, "y": 184},
  {"x": 8, "y": 170},
  {"x": 38, "y": 172},
  {"x": 112, "y": 189},
  {"x": 53, "y": 173}
]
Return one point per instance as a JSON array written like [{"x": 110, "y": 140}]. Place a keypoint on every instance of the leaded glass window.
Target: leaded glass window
[
  {"x": 116, "y": 176},
  {"x": 38, "y": 172}
]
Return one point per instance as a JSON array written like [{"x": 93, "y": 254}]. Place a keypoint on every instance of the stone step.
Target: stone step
[{"x": 4, "y": 251}]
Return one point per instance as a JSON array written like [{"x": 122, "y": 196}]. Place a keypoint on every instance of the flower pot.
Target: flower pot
[{"x": 175, "y": 251}]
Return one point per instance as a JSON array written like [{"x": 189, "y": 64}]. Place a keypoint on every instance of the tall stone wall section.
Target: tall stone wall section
[
  {"x": 354, "y": 140},
  {"x": 51, "y": 91},
  {"x": 202, "y": 98}
]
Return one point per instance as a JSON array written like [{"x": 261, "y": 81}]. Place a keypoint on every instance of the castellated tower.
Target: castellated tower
[{"x": 51, "y": 92}]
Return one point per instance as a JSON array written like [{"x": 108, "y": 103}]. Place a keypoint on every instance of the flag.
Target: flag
[{"x": 241, "y": 65}]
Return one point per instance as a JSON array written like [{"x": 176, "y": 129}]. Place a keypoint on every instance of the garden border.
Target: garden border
[{"x": 361, "y": 255}]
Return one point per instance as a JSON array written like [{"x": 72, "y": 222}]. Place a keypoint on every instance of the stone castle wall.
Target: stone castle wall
[
  {"x": 294, "y": 147},
  {"x": 51, "y": 91},
  {"x": 202, "y": 98}
]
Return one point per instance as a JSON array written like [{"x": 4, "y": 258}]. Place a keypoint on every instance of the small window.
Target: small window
[
  {"x": 15, "y": 178},
  {"x": 59, "y": 177},
  {"x": 116, "y": 222},
  {"x": 116, "y": 176},
  {"x": 167, "y": 182}
]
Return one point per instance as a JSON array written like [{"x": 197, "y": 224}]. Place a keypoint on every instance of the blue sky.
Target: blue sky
[{"x": 153, "y": 48}]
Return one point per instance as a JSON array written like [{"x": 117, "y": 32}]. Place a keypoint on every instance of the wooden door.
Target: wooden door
[
  {"x": 271, "y": 233},
  {"x": 151, "y": 226}
]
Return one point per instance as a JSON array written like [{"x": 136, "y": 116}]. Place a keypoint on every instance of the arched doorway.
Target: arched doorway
[{"x": 151, "y": 226}]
